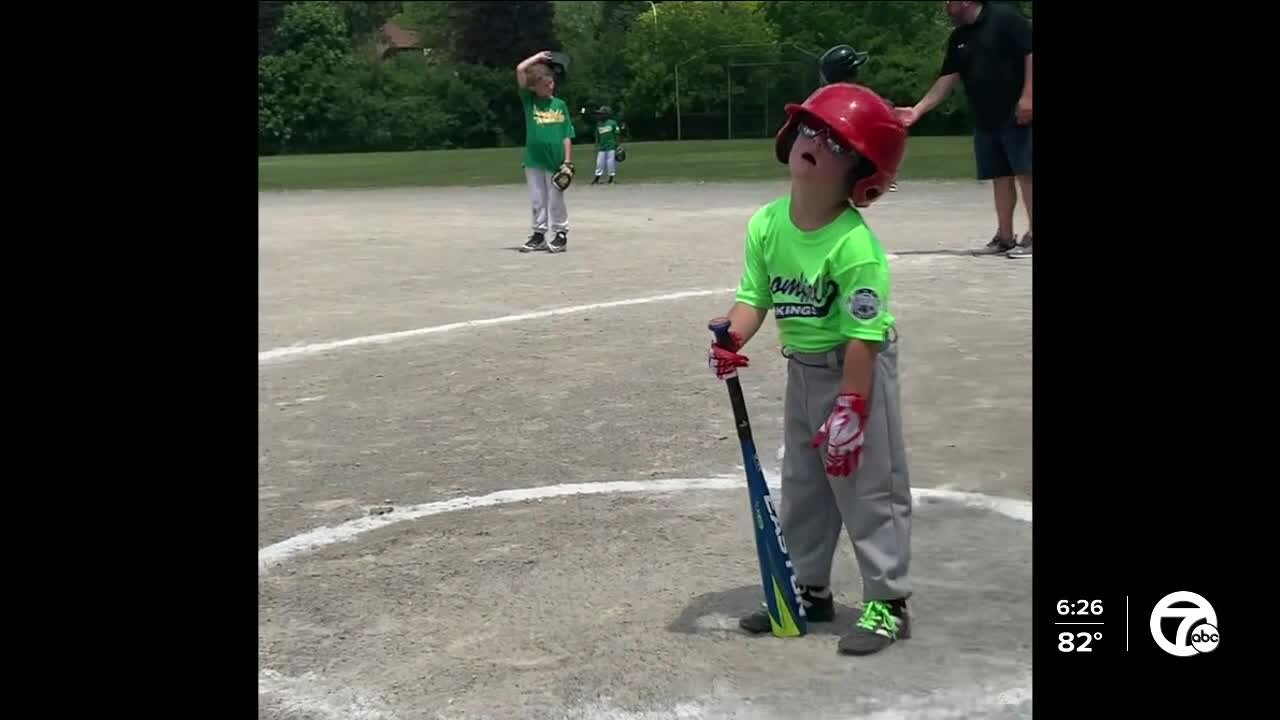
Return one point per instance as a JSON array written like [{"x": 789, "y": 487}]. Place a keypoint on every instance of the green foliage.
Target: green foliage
[
  {"x": 592, "y": 33},
  {"x": 321, "y": 89},
  {"x": 365, "y": 18},
  {"x": 305, "y": 89},
  {"x": 317, "y": 30},
  {"x": 403, "y": 103},
  {"x": 429, "y": 20},
  {"x": 493, "y": 108},
  {"x": 499, "y": 33},
  {"x": 906, "y": 41},
  {"x": 579, "y": 27},
  {"x": 269, "y": 16},
  {"x": 400, "y": 107},
  {"x": 699, "y": 37}
]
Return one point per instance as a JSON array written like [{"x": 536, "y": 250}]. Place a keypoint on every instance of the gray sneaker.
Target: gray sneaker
[
  {"x": 559, "y": 242},
  {"x": 1023, "y": 250},
  {"x": 536, "y": 241},
  {"x": 997, "y": 246}
]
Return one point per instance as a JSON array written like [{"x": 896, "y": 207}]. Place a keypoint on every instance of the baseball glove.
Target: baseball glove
[
  {"x": 564, "y": 177},
  {"x": 620, "y": 154}
]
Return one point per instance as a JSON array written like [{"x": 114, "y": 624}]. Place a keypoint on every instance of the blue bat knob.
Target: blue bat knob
[{"x": 720, "y": 327}]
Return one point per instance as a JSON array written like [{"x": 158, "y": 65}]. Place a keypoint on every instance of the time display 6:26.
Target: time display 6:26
[{"x": 1079, "y": 607}]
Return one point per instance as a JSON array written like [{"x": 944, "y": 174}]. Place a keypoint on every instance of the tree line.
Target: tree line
[{"x": 324, "y": 85}]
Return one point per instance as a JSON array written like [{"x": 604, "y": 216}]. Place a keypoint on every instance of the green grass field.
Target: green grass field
[{"x": 707, "y": 160}]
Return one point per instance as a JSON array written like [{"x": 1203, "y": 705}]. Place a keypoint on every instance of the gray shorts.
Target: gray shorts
[{"x": 1004, "y": 152}]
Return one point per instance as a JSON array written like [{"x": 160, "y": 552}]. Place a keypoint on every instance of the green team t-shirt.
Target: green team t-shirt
[
  {"x": 607, "y": 135},
  {"x": 546, "y": 124},
  {"x": 825, "y": 287}
]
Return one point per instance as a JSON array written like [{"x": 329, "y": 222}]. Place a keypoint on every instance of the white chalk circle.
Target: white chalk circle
[{"x": 277, "y": 553}]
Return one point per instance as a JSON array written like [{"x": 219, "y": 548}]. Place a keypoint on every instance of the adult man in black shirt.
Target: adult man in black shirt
[{"x": 990, "y": 50}]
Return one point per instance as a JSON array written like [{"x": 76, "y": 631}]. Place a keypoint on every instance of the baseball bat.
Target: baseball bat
[{"x": 777, "y": 575}]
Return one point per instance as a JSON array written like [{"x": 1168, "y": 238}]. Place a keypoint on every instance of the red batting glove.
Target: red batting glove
[
  {"x": 725, "y": 363},
  {"x": 843, "y": 434}
]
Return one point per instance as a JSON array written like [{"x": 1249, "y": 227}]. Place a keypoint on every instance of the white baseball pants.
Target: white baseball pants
[
  {"x": 549, "y": 211},
  {"x": 606, "y": 159}
]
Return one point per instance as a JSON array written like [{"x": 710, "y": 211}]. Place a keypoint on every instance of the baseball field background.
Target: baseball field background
[
  {"x": 691, "y": 160},
  {"x": 357, "y": 77}
]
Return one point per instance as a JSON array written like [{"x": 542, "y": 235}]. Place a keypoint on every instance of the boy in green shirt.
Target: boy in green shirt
[
  {"x": 812, "y": 259},
  {"x": 607, "y": 130},
  {"x": 548, "y": 152}
]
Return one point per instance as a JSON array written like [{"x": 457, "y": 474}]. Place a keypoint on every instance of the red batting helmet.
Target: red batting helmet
[{"x": 860, "y": 119}]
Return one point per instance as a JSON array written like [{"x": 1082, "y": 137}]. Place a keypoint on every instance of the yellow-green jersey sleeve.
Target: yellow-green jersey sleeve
[
  {"x": 864, "y": 301},
  {"x": 753, "y": 288}
]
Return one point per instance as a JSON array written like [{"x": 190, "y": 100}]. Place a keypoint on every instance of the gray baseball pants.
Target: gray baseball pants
[
  {"x": 873, "y": 504},
  {"x": 546, "y": 201}
]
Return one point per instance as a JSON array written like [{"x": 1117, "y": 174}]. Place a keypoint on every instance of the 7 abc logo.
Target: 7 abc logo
[{"x": 1197, "y": 632}]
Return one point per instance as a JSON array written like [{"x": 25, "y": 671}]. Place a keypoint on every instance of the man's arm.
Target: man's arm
[
  {"x": 568, "y": 150},
  {"x": 1017, "y": 32},
  {"x": 948, "y": 76},
  {"x": 1024, "y": 102},
  {"x": 942, "y": 87},
  {"x": 1026, "y": 84}
]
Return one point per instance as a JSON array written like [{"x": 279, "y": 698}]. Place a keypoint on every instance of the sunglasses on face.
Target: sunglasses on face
[{"x": 832, "y": 145}]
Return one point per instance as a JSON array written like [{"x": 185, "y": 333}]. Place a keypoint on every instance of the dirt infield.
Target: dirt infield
[{"x": 499, "y": 485}]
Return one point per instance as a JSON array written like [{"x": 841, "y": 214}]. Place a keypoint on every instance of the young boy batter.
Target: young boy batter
[
  {"x": 811, "y": 257},
  {"x": 548, "y": 152}
]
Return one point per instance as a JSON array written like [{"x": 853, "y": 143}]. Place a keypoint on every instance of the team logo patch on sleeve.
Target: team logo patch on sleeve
[{"x": 864, "y": 304}]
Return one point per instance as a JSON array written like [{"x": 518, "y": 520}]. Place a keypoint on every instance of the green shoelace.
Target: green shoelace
[{"x": 876, "y": 615}]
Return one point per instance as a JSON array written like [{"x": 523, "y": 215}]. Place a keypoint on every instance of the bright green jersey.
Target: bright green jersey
[
  {"x": 546, "y": 124},
  {"x": 825, "y": 287},
  {"x": 607, "y": 135}
]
